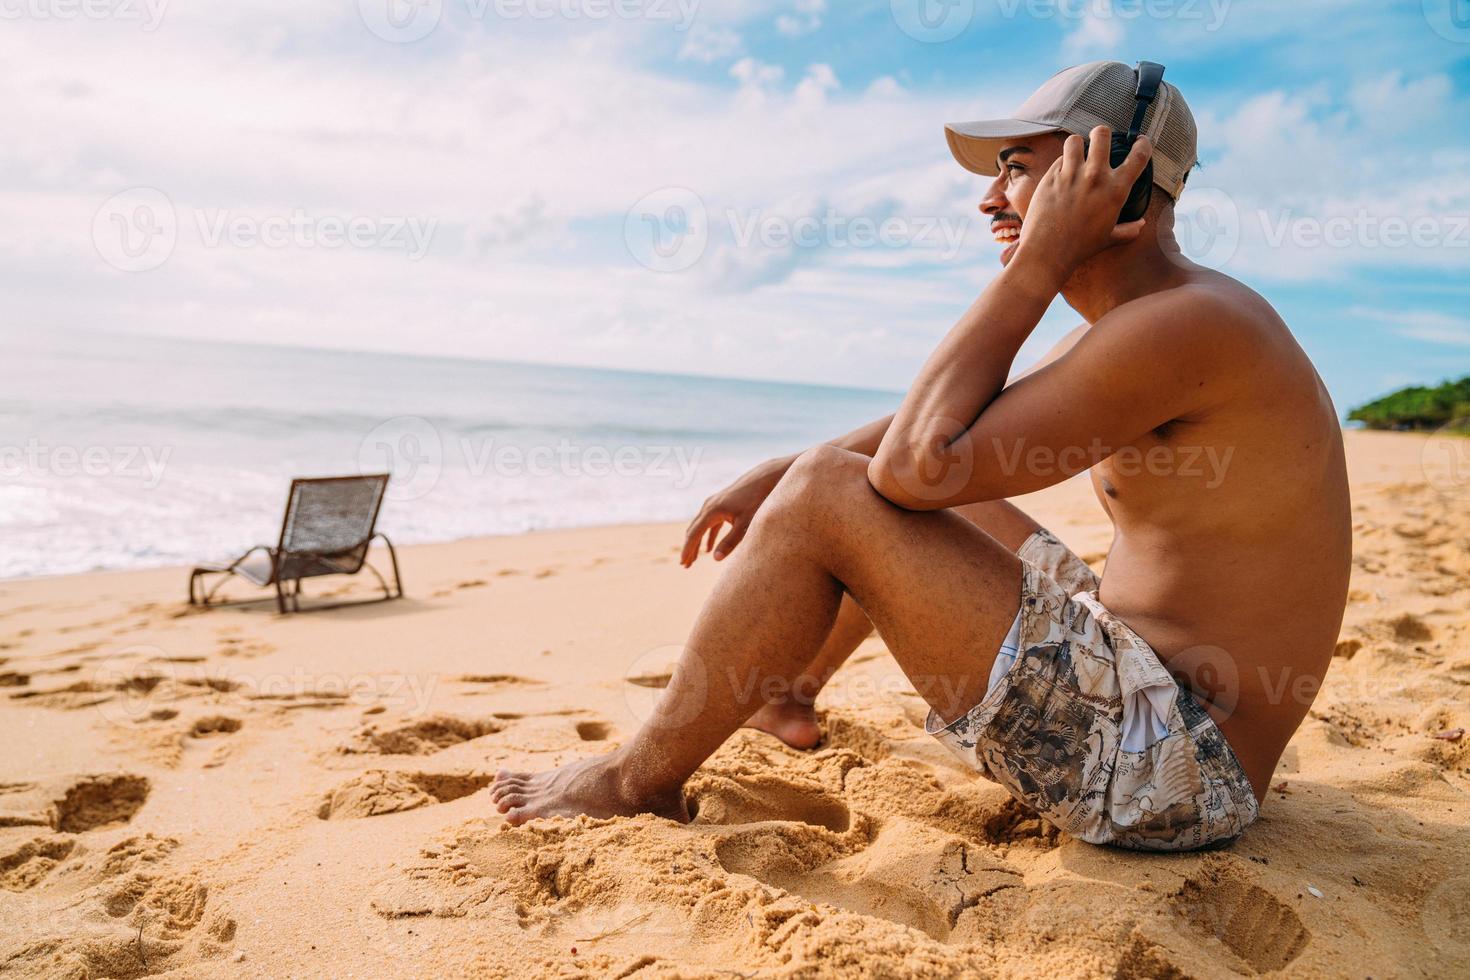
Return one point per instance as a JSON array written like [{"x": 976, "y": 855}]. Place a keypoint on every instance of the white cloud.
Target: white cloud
[
  {"x": 1099, "y": 31},
  {"x": 528, "y": 146},
  {"x": 884, "y": 85},
  {"x": 755, "y": 77},
  {"x": 1392, "y": 103},
  {"x": 812, "y": 90},
  {"x": 1324, "y": 182},
  {"x": 1428, "y": 325},
  {"x": 527, "y": 164},
  {"x": 806, "y": 18},
  {"x": 710, "y": 44}
]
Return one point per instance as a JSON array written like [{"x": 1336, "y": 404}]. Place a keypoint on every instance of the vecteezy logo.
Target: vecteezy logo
[
  {"x": 947, "y": 466},
  {"x": 131, "y": 683},
  {"x": 647, "y": 677},
  {"x": 1450, "y": 19},
  {"x": 1207, "y": 226},
  {"x": 932, "y": 21},
  {"x": 1446, "y": 459},
  {"x": 1209, "y": 672},
  {"x": 135, "y": 230},
  {"x": 668, "y": 230},
  {"x": 409, "y": 449},
  {"x": 401, "y": 21}
]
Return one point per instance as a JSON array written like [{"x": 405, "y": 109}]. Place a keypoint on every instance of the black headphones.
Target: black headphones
[{"x": 1150, "y": 75}]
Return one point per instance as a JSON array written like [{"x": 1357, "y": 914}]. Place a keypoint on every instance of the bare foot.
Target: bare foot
[
  {"x": 591, "y": 786},
  {"x": 791, "y": 721}
]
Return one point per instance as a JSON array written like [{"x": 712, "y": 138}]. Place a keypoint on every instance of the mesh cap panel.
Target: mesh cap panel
[{"x": 1077, "y": 99}]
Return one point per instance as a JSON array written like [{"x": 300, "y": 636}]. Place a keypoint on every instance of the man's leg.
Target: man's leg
[
  {"x": 791, "y": 715},
  {"x": 942, "y": 593}
]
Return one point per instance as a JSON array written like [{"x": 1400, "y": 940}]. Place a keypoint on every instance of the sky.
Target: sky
[{"x": 755, "y": 189}]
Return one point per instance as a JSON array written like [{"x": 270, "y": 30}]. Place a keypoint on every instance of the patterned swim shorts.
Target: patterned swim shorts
[{"x": 1051, "y": 730}]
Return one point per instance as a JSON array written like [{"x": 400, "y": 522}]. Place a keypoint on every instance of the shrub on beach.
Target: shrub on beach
[{"x": 1417, "y": 407}]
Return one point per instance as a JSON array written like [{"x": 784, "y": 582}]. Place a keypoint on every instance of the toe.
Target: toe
[
  {"x": 510, "y": 801},
  {"x": 505, "y": 786}
]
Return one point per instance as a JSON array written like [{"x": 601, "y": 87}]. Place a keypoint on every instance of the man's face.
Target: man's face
[{"x": 1022, "y": 165}]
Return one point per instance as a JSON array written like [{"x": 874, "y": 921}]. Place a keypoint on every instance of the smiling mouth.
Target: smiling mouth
[{"x": 1006, "y": 228}]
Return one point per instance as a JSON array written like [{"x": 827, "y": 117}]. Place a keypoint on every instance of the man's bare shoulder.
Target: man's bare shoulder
[{"x": 1210, "y": 315}]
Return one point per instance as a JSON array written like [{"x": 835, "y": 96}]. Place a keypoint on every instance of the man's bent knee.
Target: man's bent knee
[
  {"x": 822, "y": 483},
  {"x": 820, "y": 474}
]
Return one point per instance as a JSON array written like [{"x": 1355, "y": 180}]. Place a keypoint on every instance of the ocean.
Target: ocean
[{"x": 126, "y": 452}]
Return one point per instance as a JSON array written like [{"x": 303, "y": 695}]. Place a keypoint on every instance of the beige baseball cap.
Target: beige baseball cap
[{"x": 1075, "y": 100}]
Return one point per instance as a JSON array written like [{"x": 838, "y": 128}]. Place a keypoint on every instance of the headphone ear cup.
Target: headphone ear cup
[
  {"x": 1142, "y": 191},
  {"x": 1139, "y": 196}
]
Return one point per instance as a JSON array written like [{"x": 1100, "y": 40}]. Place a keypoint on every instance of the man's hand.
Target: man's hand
[
  {"x": 735, "y": 505},
  {"x": 1074, "y": 213}
]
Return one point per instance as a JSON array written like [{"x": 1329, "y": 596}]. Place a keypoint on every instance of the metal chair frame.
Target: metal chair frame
[{"x": 288, "y": 589}]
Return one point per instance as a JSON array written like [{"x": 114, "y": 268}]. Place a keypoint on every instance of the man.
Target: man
[{"x": 1145, "y": 710}]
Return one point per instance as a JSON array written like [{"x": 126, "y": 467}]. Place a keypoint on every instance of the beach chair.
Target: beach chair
[{"x": 327, "y": 530}]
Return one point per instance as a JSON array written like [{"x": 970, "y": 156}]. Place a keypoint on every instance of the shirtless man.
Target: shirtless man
[{"x": 1147, "y": 710}]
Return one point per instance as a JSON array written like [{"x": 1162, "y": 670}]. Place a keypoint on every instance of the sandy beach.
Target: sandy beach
[{"x": 232, "y": 792}]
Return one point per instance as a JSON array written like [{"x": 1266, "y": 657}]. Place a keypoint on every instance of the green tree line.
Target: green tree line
[{"x": 1419, "y": 408}]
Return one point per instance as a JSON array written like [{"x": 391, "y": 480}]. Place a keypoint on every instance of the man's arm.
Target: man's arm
[
  {"x": 915, "y": 463},
  {"x": 737, "y": 503},
  {"x": 1115, "y": 384},
  {"x": 1153, "y": 360}
]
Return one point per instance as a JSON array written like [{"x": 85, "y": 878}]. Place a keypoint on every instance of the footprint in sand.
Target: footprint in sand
[
  {"x": 980, "y": 813},
  {"x": 1409, "y": 628},
  {"x": 76, "y": 804},
  {"x": 795, "y": 835},
  {"x": 133, "y": 917},
  {"x": 496, "y": 680},
  {"x": 131, "y": 853},
  {"x": 1220, "y": 900},
  {"x": 234, "y": 646},
  {"x": 127, "y": 694},
  {"x": 657, "y": 680},
  {"x": 423, "y": 737},
  {"x": 380, "y": 791},
  {"x": 474, "y": 583},
  {"x": 766, "y": 797},
  {"x": 24, "y": 866},
  {"x": 72, "y": 697},
  {"x": 593, "y": 731},
  {"x": 841, "y": 731},
  {"x": 297, "y": 700},
  {"x": 909, "y": 874},
  {"x": 214, "y": 725}
]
